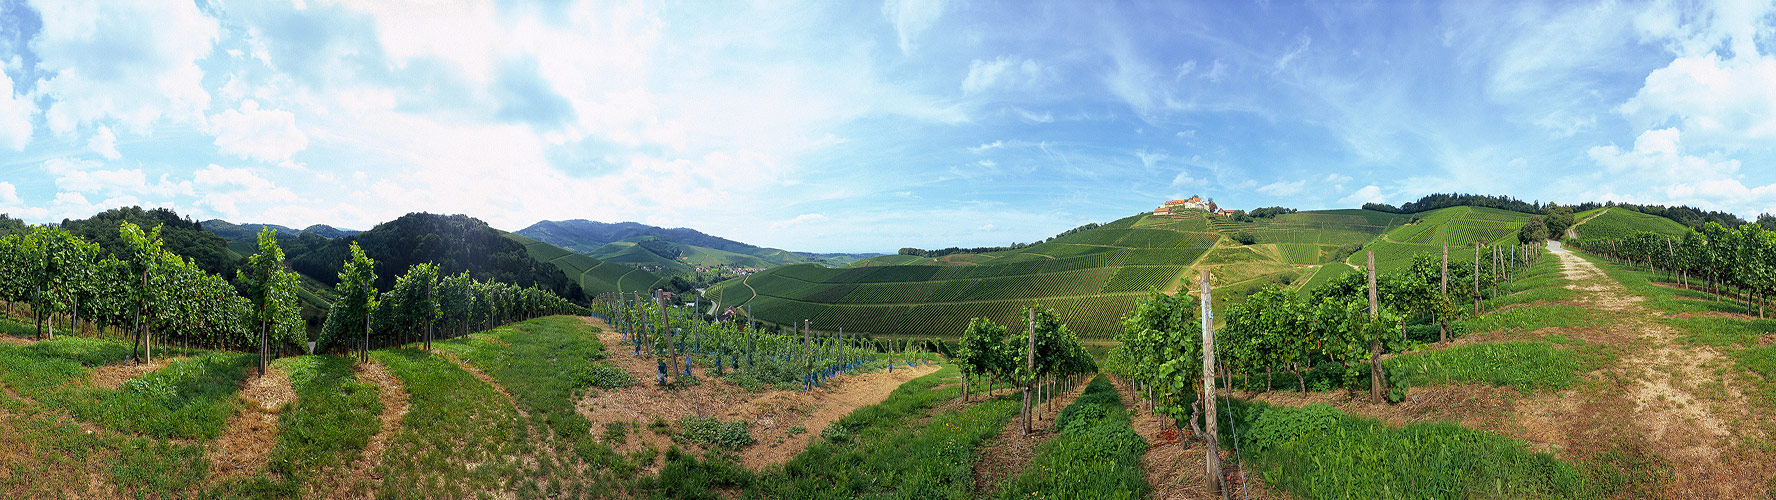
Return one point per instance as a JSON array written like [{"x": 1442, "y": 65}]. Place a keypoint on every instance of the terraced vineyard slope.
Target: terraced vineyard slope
[
  {"x": 594, "y": 276},
  {"x": 1091, "y": 277},
  {"x": 1611, "y": 223}
]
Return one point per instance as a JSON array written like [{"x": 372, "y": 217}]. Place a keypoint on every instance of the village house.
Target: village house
[{"x": 1194, "y": 203}]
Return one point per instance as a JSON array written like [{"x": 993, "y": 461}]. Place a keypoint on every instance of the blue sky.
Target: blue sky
[{"x": 854, "y": 126}]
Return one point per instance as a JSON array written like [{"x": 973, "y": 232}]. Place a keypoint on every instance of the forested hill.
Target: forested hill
[
  {"x": 674, "y": 250},
  {"x": 181, "y": 235},
  {"x": 585, "y": 236},
  {"x": 455, "y": 242}
]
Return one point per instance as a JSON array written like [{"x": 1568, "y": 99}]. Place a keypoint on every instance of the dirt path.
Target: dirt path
[
  {"x": 1682, "y": 398},
  {"x": 783, "y": 422},
  {"x": 1174, "y": 463},
  {"x": 358, "y": 478},
  {"x": 1007, "y": 454},
  {"x": 1663, "y": 402},
  {"x": 251, "y": 433}
]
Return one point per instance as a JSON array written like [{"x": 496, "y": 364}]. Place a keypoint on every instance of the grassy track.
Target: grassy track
[
  {"x": 1097, "y": 455},
  {"x": 1317, "y": 451}
]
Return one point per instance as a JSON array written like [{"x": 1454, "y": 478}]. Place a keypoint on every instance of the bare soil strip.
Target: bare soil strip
[
  {"x": 358, "y": 478},
  {"x": 1011, "y": 451},
  {"x": 113, "y": 376},
  {"x": 783, "y": 422},
  {"x": 251, "y": 433},
  {"x": 1174, "y": 467}
]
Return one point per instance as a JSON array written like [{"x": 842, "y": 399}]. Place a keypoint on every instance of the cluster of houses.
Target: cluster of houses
[{"x": 1177, "y": 207}]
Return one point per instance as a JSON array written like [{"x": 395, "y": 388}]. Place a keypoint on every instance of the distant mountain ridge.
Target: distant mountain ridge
[
  {"x": 673, "y": 250},
  {"x": 585, "y": 235}
]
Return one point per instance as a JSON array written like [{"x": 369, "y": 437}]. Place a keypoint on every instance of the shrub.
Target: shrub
[{"x": 714, "y": 432}]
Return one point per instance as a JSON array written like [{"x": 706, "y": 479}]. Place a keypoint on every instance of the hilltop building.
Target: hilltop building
[{"x": 1194, "y": 203}]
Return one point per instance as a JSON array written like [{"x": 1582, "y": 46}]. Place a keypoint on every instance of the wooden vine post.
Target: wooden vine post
[
  {"x": 1477, "y": 277},
  {"x": 1375, "y": 341},
  {"x": 1029, "y": 372},
  {"x": 1212, "y": 457},
  {"x": 1443, "y": 288},
  {"x": 666, "y": 320}
]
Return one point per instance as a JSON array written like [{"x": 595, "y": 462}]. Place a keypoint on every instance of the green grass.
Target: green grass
[
  {"x": 886, "y": 451},
  {"x": 1529, "y": 318},
  {"x": 1097, "y": 455},
  {"x": 189, "y": 398},
  {"x": 330, "y": 422},
  {"x": 545, "y": 363},
  {"x": 1317, "y": 451},
  {"x": 48, "y": 458},
  {"x": 459, "y": 435},
  {"x": 1525, "y": 365}
]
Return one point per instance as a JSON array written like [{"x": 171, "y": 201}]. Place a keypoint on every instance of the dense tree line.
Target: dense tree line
[
  {"x": 178, "y": 234},
  {"x": 1445, "y": 200},
  {"x": 1260, "y": 213},
  {"x": 456, "y": 243},
  {"x": 1689, "y": 216}
]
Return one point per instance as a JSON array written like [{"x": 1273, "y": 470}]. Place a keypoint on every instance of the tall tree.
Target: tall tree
[
  {"x": 1534, "y": 230},
  {"x": 1559, "y": 218}
]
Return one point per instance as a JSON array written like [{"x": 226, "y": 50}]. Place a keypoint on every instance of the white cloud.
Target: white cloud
[
  {"x": 1034, "y": 117},
  {"x": 1368, "y": 194},
  {"x": 75, "y": 176},
  {"x": 104, "y": 143},
  {"x": 266, "y": 135},
  {"x": 1005, "y": 72},
  {"x": 800, "y": 220},
  {"x": 1723, "y": 103},
  {"x": 1183, "y": 70},
  {"x": 133, "y": 62},
  {"x": 911, "y": 18},
  {"x": 1670, "y": 175},
  {"x": 1185, "y": 179},
  {"x": 987, "y": 147},
  {"x": 1284, "y": 189},
  {"x": 1302, "y": 42},
  {"x": 1148, "y": 160},
  {"x": 9, "y": 196},
  {"x": 224, "y": 189},
  {"x": 16, "y": 111}
]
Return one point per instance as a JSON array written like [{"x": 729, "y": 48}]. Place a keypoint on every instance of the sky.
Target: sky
[{"x": 858, "y": 126}]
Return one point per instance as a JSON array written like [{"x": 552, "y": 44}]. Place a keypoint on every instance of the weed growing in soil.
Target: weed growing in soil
[
  {"x": 1097, "y": 455},
  {"x": 1351, "y": 457}
]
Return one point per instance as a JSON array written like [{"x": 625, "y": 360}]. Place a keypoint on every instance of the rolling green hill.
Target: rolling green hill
[
  {"x": 676, "y": 250},
  {"x": 1460, "y": 227},
  {"x": 1620, "y": 223},
  {"x": 594, "y": 276},
  {"x": 1091, "y": 277}
]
